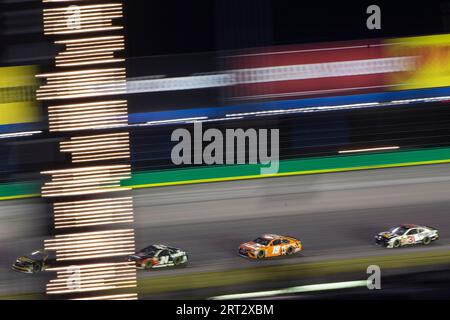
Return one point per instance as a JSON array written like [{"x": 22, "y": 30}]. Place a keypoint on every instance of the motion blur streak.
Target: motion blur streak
[
  {"x": 90, "y": 51},
  {"x": 84, "y": 84},
  {"x": 369, "y": 149},
  {"x": 114, "y": 297},
  {"x": 99, "y": 147},
  {"x": 91, "y": 245},
  {"x": 301, "y": 289},
  {"x": 95, "y": 277},
  {"x": 312, "y": 109},
  {"x": 19, "y": 134},
  {"x": 96, "y": 115},
  {"x": 324, "y": 70},
  {"x": 86, "y": 180},
  {"x": 108, "y": 276},
  {"x": 88, "y": 213},
  {"x": 80, "y": 19}
]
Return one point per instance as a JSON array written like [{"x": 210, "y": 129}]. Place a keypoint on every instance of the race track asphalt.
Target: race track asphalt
[{"x": 335, "y": 215}]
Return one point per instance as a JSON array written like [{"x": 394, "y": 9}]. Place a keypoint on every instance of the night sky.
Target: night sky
[{"x": 175, "y": 26}]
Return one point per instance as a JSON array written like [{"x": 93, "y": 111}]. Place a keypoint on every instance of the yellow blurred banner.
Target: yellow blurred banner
[
  {"x": 432, "y": 56},
  {"x": 17, "y": 95}
]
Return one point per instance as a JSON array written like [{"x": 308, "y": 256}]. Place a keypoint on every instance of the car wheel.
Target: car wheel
[
  {"x": 290, "y": 251},
  {"x": 36, "y": 267},
  {"x": 396, "y": 244},
  {"x": 148, "y": 265},
  {"x": 261, "y": 254},
  {"x": 426, "y": 241},
  {"x": 177, "y": 261}
]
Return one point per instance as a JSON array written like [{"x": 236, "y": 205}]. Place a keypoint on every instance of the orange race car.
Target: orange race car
[{"x": 270, "y": 245}]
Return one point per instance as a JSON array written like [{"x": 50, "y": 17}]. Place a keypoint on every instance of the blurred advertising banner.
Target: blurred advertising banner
[
  {"x": 17, "y": 95},
  {"x": 340, "y": 68},
  {"x": 309, "y": 70},
  {"x": 432, "y": 61}
]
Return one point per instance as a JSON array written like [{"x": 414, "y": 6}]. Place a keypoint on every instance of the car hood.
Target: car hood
[
  {"x": 24, "y": 261},
  {"x": 387, "y": 235}
]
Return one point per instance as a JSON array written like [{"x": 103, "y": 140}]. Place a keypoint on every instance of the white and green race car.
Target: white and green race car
[{"x": 159, "y": 256}]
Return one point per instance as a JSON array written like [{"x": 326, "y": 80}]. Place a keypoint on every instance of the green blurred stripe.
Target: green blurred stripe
[
  {"x": 289, "y": 167},
  {"x": 205, "y": 174},
  {"x": 19, "y": 190}
]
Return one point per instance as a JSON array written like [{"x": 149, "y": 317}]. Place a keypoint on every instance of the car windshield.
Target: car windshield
[
  {"x": 398, "y": 230},
  {"x": 37, "y": 255},
  {"x": 262, "y": 241},
  {"x": 149, "y": 250}
]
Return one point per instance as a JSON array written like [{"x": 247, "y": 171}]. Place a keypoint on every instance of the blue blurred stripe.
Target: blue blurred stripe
[
  {"x": 220, "y": 112},
  {"x": 22, "y": 127}
]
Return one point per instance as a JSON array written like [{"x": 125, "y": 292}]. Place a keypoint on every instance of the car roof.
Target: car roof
[
  {"x": 38, "y": 254},
  {"x": 159, "y": 246},
  {"x": 164, "y": 247},
  {"x": 270, "y": 236},
  {"x": 410, "y": 226}
]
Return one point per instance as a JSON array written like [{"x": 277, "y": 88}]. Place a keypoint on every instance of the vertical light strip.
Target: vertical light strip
[
  {"x": 90, "y": 51},
  {"x": 83, "y": 84},
  {"x": 98, "y": 147},
  {"x": 93, "y": 224},
  {"x": 88, "y": 116},
  {"x": 82, "y": 18},
  {"x": 92, "y": 278},
  {"x": 93, "y": 213}
]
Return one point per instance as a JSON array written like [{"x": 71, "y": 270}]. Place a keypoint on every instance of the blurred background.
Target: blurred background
[{"x": 343, "y": 97}]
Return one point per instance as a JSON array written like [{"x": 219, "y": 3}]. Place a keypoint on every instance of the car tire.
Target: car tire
[
  {"x": 148, "y": 265},
  {"x": 177, "y": 261},
  {"x": 290, "y": 251},
  {"x": 261, "y": 254},
  {"x": 396, "y": 244},
  {"x": 36, "y": 267},
  {"x": 426, "y": 241}
]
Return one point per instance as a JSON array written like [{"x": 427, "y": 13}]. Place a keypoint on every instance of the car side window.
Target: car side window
[
  {"x": 163, "y": 253},
  {"x": 285, "y": 241},
  {"x": 412, "y": 232},
  {"x": 276, "y": 242}
]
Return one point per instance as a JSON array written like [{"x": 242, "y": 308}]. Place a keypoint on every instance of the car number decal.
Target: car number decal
[
  {"x": 164, "y": 260},
  {"x": 276, "y": 250}
]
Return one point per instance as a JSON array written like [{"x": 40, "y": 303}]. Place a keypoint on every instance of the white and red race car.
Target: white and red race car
[{"x": 407, "y": 234}]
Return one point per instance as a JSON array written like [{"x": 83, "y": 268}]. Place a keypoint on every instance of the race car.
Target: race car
[
  {"x": 270, "y": 245},
  {"x": 35, "y": 262},
  {"x": 159, "y": 256},
  {"x": 407, "y": 234}
]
